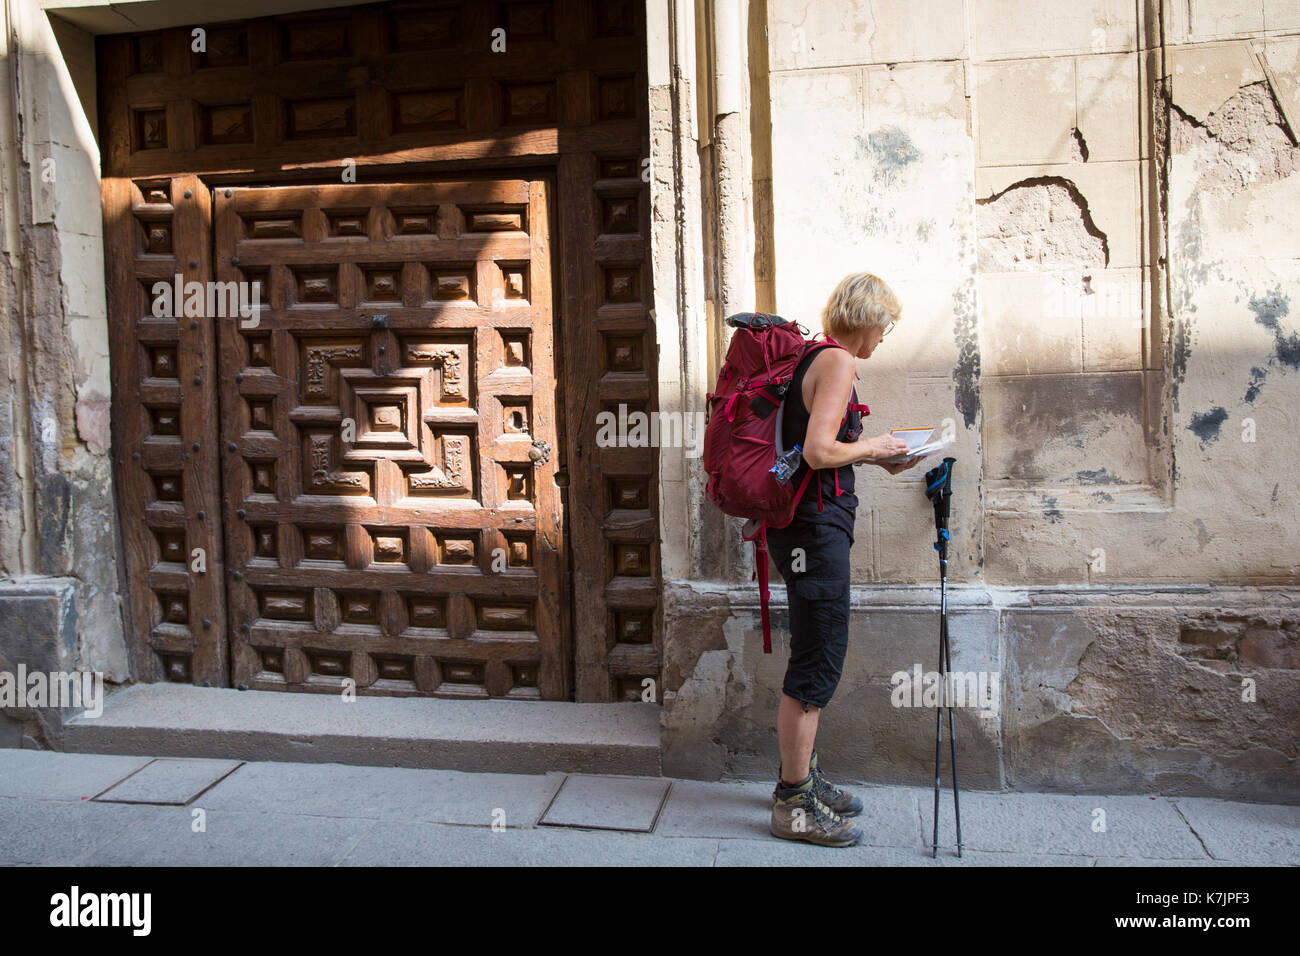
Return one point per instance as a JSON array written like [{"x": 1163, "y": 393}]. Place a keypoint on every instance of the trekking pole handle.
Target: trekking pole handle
[{"x": 938, "y": 488}]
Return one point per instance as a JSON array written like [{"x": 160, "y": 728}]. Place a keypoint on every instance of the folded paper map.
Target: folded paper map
[{"x": 921, "y": 443}]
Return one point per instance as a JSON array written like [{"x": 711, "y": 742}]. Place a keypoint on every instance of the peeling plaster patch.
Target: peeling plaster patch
[
  {"x": 1101, "y": 476},
  {"x": 1078, "y": 146},
  {"x": 892, "y": 150},
  {"x": 93, "y": 422},
  {"x": 1269, "y": 312},
  {"x": 1051, "y": 512},
  {"x": 1257, "y": 376},
  {"x": 1206, "y": 425},
  {"x": 1244, "y": 141},
  {"x": 1043, "y": 221}
]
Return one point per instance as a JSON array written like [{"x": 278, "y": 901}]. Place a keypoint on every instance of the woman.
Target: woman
[{"x": 812, "y": 552}]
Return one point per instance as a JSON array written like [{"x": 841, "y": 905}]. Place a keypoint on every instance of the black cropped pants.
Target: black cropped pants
[{"x": 819, "y": 606}]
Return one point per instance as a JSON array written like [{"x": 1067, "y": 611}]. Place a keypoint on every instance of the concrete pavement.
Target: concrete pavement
[{"x": 97, "y": 809}]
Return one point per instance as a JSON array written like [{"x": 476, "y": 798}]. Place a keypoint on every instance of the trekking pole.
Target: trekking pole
[{"x": 938, "y": 488}]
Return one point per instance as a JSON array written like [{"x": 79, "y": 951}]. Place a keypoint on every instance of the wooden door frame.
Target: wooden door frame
[{"x": 573, "y": 96}]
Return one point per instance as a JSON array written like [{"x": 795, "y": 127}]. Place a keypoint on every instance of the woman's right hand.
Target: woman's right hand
[{"x": 882, "y": 446}]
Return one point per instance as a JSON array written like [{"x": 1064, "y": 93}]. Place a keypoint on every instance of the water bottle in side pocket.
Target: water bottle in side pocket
[{"x": 787, "y": 464}]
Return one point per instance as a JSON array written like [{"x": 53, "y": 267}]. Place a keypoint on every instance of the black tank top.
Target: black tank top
[{"x": 837, "y": 509}]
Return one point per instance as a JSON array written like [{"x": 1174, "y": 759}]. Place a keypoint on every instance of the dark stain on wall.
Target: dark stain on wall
[
  {"x": 1182, "y": 351},
  {"x": 1257, "y": 376},
  {"x": 965, "y": 332},
  {"x": 892, "y": 150},
  {"x": 1270, "y": 310},
  {"x": 1206, "y": 425},
  {"x": 1101, "y": 476},
  {"x": 54, "y": 498}
]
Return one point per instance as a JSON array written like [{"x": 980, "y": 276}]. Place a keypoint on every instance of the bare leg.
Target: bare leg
[{"x": 796, "y": 732}]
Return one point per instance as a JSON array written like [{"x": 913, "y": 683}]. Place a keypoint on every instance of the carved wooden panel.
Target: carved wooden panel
[
  {"x": 392, "y": 512},
  {"x": 164, "y": 437}
]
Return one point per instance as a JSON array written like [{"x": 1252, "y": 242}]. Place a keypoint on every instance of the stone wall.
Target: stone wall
[
  {"x": 1085, "y": 209},
  {"x": 58, "y": 526}
]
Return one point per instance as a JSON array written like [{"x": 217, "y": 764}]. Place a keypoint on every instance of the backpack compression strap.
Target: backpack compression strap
[{"x": 759, "y": 537}]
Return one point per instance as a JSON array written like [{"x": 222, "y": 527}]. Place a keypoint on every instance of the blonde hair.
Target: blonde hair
[{"x": 860, "y": 300}]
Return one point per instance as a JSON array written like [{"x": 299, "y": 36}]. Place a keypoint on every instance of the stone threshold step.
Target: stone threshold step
[{"x": 503, "y": 736}]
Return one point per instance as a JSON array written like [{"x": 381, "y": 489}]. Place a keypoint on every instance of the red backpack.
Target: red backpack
[{"x": 742, "y": 440}]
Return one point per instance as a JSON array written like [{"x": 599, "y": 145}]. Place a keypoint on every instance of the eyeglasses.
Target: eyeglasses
[{"x": 889, "y": 328}]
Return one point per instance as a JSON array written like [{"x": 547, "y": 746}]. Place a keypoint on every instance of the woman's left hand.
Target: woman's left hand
[{"x": 894, "y": 467}]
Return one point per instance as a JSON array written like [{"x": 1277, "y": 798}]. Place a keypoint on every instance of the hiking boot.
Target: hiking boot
[
  {"x": 797, "y": 814},
  {"x": 841, "y": 801}
]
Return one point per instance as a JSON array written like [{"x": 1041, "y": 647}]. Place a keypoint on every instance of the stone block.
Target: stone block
[
  {"x": 1037, "y": 824},
  {"x": 393, "y": 793},
  {"x": 1269, "y": 647},
  {"x": 1051, "y": 427},
  {"x": 903, "y": 526},
  {"x": 1043, "y": 648},
  {"x": 65, "y": 188},
  {"x": 82, "y": 272},
  {"x": 163, "y": 837},
  {"x": 50, "y": 775},
  {"x": 1111, "y": 307},
  {"x": 89, "y": 338},
  {"x": 1283, "y": 58},
  {"x": 1281, "y": 15},
  {"x": 804, "y": 35},
  {"x": 916, "y": 90},
  {"x": 183, "y": 720},
  {"x": 37, "y": 626},
  {"x": 169, "y": 781},
  {"x": 1108, "y": 96},
  {"x": 52, "y": 108},
  {"x": 1010, "y": 28},
  {"x": 1204, "y": 76},
  {"x": 1022, "y": 330},
  {"x": 1213, "y": 19},
  {"x": 55, "y": 833},
  {"x": 1025, "y": 111},
  {"x": 1243, "y": 833},
  {"x": 596, "y": 802}
]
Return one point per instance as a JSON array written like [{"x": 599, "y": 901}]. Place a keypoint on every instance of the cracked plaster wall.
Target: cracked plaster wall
[
  {"x": 58, "y": 527},
  {"x": 1097, "y": 268}
]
